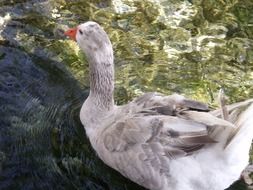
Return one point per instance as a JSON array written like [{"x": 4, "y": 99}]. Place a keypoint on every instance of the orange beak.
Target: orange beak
[{"x": 71, "y": 33}]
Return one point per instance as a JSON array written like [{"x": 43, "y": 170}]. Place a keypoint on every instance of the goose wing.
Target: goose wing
[
  {"x": 166, "y": 136},
  {"x": 177, "y": 125},
  {"x": 142, "y": 144}
]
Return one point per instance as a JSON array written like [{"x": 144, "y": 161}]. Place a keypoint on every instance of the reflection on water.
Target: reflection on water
[{"x": 189, "y": 47}]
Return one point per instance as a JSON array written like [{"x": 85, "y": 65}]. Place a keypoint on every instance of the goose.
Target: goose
[{"x": 161, "y": 142}]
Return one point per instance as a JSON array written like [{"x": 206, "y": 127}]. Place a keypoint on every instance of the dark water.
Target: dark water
[{"x": 189, "y": 47}]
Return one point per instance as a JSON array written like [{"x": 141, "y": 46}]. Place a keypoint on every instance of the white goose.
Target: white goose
[{"x": 161, "y": 142}]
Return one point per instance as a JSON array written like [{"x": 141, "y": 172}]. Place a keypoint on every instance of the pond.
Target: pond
[{"x": 191, "y": 47}]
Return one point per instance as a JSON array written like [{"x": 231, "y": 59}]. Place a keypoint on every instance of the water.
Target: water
[{"x": 190, "y": 47}]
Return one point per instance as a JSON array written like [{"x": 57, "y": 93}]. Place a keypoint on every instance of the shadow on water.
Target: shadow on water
[
  {"x": 34, "y": 108},
  {"x": 42, "y": 143}
]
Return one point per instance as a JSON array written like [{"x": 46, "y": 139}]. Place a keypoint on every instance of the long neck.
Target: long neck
[{"x": 102, "y": 78}]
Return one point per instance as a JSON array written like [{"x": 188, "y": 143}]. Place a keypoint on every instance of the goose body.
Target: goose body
[{"x": 161, "y": 142}]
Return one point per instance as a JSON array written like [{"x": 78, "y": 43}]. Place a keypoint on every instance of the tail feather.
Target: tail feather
[
  {"x": 236, "y": 107},
  {"x": 242, "y": 117}
]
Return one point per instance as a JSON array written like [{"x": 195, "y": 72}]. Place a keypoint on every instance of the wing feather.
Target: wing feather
[
  {"x": 150, "y": 132},
  {"x": 156, "y": 137}
]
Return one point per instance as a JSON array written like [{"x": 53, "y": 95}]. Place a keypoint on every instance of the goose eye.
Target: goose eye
[{"x": 81, "y": 32}]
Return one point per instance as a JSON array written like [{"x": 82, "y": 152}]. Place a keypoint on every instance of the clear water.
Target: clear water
[{"x": 189, "y": 47}]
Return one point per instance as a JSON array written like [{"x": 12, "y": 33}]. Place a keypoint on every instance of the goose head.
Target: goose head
[{"x": 92, "y": 39}]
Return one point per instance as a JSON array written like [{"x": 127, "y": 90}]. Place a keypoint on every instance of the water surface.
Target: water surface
[{"x": 189, "y": 47}]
